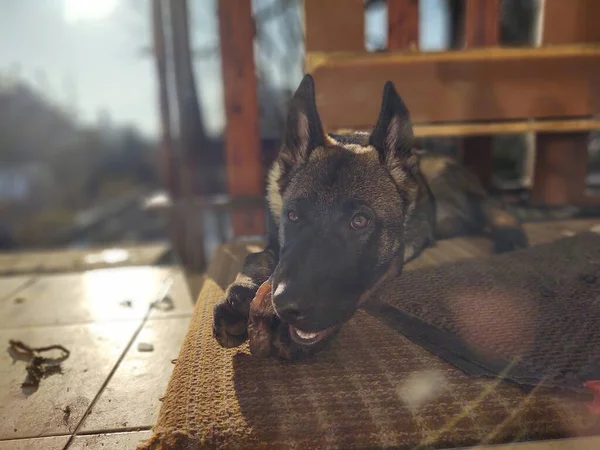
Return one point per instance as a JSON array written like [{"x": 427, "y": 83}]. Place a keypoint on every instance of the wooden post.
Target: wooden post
[
  {"x": 481, "y": 29},
  {"x": 244, "y": 168},
  {"x": 334, "y": 25},
  {"x": 166, "y": 167},
  {"x": 560, "y": 169},
  {"x": 192, "y": 137},
  {"x": 573, "y": 21},
  {"x": 528, "y": 168},
  {"x": 561, "y": 161},
  {"x": 482, "y": 23},
  {"x": 403, "y": 29},
  {"x": 185, "y": 223},
  {"x": 403, "y": 24}
]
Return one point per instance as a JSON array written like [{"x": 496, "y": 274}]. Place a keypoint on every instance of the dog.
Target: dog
[{"x": 347, "y": 211}]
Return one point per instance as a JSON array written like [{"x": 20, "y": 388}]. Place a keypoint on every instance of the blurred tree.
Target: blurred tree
[
  {"x": 29, "y": 123},
  {"x": 129, "y": 162},
  {"x": 61, "y": 164}
]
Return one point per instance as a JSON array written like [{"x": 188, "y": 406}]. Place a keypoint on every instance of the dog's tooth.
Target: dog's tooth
[{"x": 306, "y": 335}]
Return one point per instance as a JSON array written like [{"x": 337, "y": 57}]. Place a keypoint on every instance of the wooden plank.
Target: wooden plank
[
  {"x": 564, "y": 23},
  {"x": 590, "y": 198},
  {"x": 186, "y": 236},
  {"x": 478, "y": 157},
  {"x": 482, "y": 129},
  {"x": 559, "y": 176},
  {"x": 335, "y": 58},
  {"x": 244, "y": 168},
  {"x": 467, "y": 85},
  {"x": 192, "y": 139},
  {"x": 568, "y": 22},
  {"x": 79, "y": 259},
  {"x": 403, "y": 24},
  {"x": 482, "y": 29},
  {"x": 334, "y": 25},
  {"x": 166, "y": 166},
  {"x": 185, "y": 228},
  {"x": 482, "y": 23}
]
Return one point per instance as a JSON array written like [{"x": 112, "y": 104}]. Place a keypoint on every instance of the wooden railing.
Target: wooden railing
[{"x": 473, "y": 92}]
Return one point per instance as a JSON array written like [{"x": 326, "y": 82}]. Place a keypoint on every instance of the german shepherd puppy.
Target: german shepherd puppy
[{"x": 346, "y": 212}]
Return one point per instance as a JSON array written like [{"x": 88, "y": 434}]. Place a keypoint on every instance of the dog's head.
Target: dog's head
[{"x": 340, "y": 204}]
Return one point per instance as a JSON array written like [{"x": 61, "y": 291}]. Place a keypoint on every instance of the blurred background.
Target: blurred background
[{"x": 102, "y": 100}]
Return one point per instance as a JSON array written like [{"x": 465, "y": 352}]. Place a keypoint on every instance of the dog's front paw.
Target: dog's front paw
[{"x": 230, "y": 317}]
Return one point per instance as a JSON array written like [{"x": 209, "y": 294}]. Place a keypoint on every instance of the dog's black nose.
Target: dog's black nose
[{"x": 286, "y": 306}]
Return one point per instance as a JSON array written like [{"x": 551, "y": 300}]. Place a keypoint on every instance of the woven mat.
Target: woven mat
[
  {"x": 371, "y": 388},
  {"x": 532, "y": 316}
]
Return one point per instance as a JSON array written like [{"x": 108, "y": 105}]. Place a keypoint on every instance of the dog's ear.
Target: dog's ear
[
  {"x": 303, "y": 131},
  {"x": 393, "y": 134}
]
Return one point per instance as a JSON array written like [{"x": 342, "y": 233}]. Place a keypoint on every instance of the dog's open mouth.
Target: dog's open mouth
[{"x": 305, "y": 338}]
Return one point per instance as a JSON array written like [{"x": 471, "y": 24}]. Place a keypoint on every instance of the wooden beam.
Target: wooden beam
[
  {"x": 403, "y": 24},
  {"x": 185, "y": 225},
  {"x": 244, "y": 168},
  {"x": 494, "y": 128},
  {"x": 560, "y": 169},
  {"x": 482, "y": 29},
  {"x": 334, "y": 25},
  {"x": 192, "y": 139},
  {"x": 467, "y": 85},
  {"x": 571, "y": 21},
  {"x": 482, "y": 23},
  {"x": 478, "y": 157},
  {"x": 562, "y": 160},
  {"x": 166, "y": 166}
]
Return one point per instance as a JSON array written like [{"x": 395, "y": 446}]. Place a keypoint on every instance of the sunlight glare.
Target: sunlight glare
[{"x": 88, "y": 10}]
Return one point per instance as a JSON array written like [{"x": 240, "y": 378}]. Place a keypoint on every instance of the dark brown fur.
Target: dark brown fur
[{"x": 322, "y": 266}]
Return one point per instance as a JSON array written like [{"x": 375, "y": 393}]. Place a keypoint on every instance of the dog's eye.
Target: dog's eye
[
  {"x": 292, "y": 216},
  {"x": 359, "y": 221}
]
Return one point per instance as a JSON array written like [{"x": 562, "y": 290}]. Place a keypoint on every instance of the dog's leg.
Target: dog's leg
[
  {"x": 505, "y": 229},
  {"x": 230, "y": 317}
]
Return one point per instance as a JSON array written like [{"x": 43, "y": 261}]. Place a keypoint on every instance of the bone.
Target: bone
[
  {"x": 260, "y": 321},
  {"x": 268, "y": 336}
]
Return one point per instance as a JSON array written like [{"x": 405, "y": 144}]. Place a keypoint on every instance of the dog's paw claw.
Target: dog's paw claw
[{"x": 229, "y": 326}]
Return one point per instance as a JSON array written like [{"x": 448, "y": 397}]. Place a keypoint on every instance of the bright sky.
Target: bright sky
[{"x": 87, "y": 54}]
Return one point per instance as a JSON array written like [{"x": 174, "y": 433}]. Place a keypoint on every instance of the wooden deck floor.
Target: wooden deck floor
[
  {"x": 80, "y": 259},
  {"x": 108, "y": 394},
  {"x": 458, "y": 249}
]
